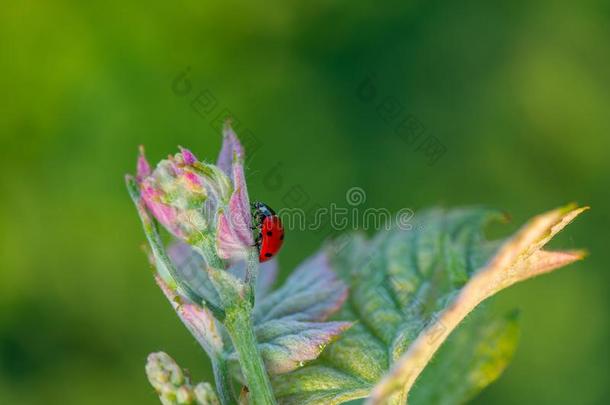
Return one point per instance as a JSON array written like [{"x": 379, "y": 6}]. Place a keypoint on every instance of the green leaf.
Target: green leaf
[
  {"x": 198, "y": 320},
  {"x": 473, "y": 357},
  {"x": 192, "y": 270},
  {"x": 408, "y": 290},
  {"x": 287, "y": 344},
  {"x": 289, "y": 321},
  {"x": 311, "y": 293}
]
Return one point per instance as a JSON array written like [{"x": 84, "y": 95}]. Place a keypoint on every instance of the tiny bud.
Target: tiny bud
[
  {"x": 185, "y": 395},
  {"x": 187, "y": 156},
  {"x": 205, "y": 394}
]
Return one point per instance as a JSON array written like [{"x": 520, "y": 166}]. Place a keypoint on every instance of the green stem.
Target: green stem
[
  {"x": 239, "y": 325},
  {"x": 207, "y": 247},
  {"x": 252, "y": 262},
  {"x": 223, "y": 380}
]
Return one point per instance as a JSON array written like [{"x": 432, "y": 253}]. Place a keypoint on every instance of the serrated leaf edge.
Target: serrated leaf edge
[{"x": 518, "y": 259}]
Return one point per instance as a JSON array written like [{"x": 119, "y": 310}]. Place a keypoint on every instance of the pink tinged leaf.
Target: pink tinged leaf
[
  {"x": 191, "y": 267},
  {"x": 234, "y": 230},
  {"x": 288, "y": 344},
  {"x": 180, "y": 252},
  {"x": 143, "y": 167},
  {"x": 234, "y": 226},
  {"x": 165, "y": 214},
  {"x": 231, "y": 147},
  {"x": 544, "y": 261},
  {"x": 228, "y": 245},
  {"x": 239, "y": 207},
  {"x": 194, "y": 182},
  {"x": 312, "y": 293},
  {"x": 199, "y": 321}
]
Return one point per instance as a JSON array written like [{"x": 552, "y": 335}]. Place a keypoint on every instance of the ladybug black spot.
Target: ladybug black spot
[
  {"x": 268, "y": 255},
  {"x": 269, "y": 233},
  {"x": 282, "y": 237}
]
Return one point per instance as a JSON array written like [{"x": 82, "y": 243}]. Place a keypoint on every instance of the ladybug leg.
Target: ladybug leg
[{"x": 257, "y": 240}]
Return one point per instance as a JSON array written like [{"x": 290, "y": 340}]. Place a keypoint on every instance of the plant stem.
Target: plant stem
[
  {"x": 252, "y": 263},
  {"x": 223, "y": 380},
  {"x": 239, "y": 325}
]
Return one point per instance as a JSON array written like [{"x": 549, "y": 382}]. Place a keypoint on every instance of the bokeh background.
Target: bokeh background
[{"x": 515, "y": 93}]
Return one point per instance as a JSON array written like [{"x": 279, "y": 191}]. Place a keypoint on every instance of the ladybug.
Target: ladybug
[{"x": 269, "y": 232}]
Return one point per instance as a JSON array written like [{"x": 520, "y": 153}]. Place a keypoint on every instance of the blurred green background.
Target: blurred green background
[{"x": 515, "y": 92}]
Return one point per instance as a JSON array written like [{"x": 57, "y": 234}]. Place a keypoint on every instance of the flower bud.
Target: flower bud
[
  {"x": 205, "y": 394},
  {"x": 183, "y": 194},
  {"x": 202, "y": 204},
  {"x": 173, "y": 386},
  {"x": 163, "y": 372},
  {"x": 185, "y": 395}
]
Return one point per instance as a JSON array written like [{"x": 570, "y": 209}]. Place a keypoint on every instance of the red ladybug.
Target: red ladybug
[{"x": 269, "y": 232}]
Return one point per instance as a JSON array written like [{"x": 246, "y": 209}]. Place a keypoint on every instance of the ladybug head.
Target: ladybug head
[{"x": 262, "y": 209}]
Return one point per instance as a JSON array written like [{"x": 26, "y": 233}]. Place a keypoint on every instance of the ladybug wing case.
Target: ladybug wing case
[{"x": 272, "y": 235}]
